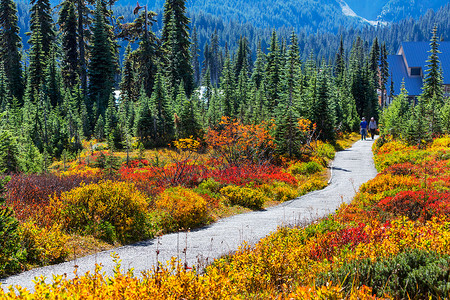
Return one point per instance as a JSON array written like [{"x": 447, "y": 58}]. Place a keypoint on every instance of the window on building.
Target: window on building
[{"x": 415, "y": 71}]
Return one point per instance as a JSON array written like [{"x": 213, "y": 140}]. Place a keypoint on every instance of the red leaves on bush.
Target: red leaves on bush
[
  {"x": 329, "y": 246},
  {"x": 241, "y": 175},
  {"x": 417, "y": 205},
  {"x": 28, "y": 195}
]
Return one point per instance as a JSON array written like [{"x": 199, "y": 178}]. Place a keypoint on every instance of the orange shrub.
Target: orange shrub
[
  {"x": 185, "y": 208},
  {"x": 108, "y": 210}
]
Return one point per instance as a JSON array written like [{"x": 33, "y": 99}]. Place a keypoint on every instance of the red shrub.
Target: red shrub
[
  {"x": 417, "y": 205},
  {"x": 241, "y": 175},
  {"x": 334, "y": 241},
  {"x": 28, "y": 195}
]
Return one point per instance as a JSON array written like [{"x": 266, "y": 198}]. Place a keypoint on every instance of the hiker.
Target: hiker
[
  {"x": 372, "y": 127},
  {"x": 363, "y": 128}
]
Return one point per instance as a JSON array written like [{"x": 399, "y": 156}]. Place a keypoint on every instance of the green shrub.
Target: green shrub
[
  {"x": 246, "y": 197},
  {"x": 325, "y": 151},
  {"x": 211, "y": 185},
  {"x": 10, "y": 254},
  {"x": 414, "y": 274},
  {"x": 305, "y": 168}
]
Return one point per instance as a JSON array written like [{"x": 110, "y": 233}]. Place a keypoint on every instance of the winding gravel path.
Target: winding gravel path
[{"x": 350, "y": 169}]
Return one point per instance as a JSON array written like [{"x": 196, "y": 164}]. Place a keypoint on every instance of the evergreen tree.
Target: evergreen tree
[
  {"x": 101, "y": 65},
  {"x": 258, "y": 70},
  {"x": 340, "y": 60},
  {"x": 52, "y": 86},
  {"x": 9, "y": 235},
  {"x": 433, "y": 80},
  {"x": 176, "y": 42},
  {"x": 227, "y": 86},
  {"x": 41, "y": 20},
  {"x": 128, "y": 85},
  {"x": 189, "y": 125},
  {"x": 9, "y": 152},
  {"x": 37, "y": 61},
  {"x": 384, "y": 74},
  {"x": 272, "y": 76},
  {"x": 194, "y": 57},
  {"x": 322, "y": 115},
  {"x": 10, "y": 44},
  {"x": 243, "y": 58},
  {"x": 164, "y": 131},
  {"x": 373, "y": 61},
  {"x": 70, "y": 60}
]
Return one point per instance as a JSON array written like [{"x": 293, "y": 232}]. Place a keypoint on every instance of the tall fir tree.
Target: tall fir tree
[
  {"x": 10, "y": 45},
  {"x": 164, "y": 122},
  {"x": 272, "y": 75},
  {"x": 102, "y": 63},
  {"x": 37, "y": 62},
  {"x": 384, "y": 73},
  {"x": 128, "y": 85},
  {"x": 258, "y": 70},
  {"x": 227, "y": 86},
  {"x": 176, "y": 41},
  {"x": 70, "y": 65},
  {"x": 41, "y": 17},
  {"x": 433, "y": 80},
  {"x": 194, "y": 57}
]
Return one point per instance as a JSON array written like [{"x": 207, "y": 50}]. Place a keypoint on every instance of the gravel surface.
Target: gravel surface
[{"x": 350, "y": 169}]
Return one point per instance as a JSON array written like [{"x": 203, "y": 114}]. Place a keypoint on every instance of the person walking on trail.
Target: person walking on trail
[
  {"x": 372, "y": 127},
  {"x": 363, "y": 128}
]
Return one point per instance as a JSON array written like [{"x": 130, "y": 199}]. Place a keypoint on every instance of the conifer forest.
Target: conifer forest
[{"x": 120, "y": 123}]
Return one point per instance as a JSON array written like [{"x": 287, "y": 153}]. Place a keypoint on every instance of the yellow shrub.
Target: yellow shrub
[
  {"x": 280, "y": 191},
  {"x": 44, "y": 245},
  {"x": 185, "y": 208},
  {"x": 242, "y": 196},
  {"x": 108, "y": 210},
  {"x": 311, "y": 185}
]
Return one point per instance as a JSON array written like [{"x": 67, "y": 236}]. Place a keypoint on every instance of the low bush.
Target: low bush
[
  {"x": 10, "y": 254},
  {"x": 108, "y": 210},
  {"x": 413, "y": 274},
  {"x": 279, "y": 191},
  {"x": 246, "y": 197},
  {"x": 417, "y": 205},
  {"x": 305, "y": 168},
  {"x": 311, "y": 185},
  {"x": 44, "y": 245},
  {"x": 182, "y": 208}
]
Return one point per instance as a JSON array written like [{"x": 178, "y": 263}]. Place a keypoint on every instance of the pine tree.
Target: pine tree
[
  {"x": 70, "y": 62},
  {"x": 163, "y": 114},
  {"x": 37, "y": 61},
  {"x": 272, "y": 79},
  {"x": 227, "y": 86},
  {"x": 194, "y": 57},
  {"x": 373, "y": 61},
  {"x": 189, "y": 125},
  {"x": 9, "y": 152},
  {"x": 128, "y": 85},
  {"x": 384, "y": 73},
  {"x": 243, "y": 58},
  {"x": 52, "y": 81},
  {"x": 322, "y": 115},
  {"x": 258, "y": 70},
  {"x": 433, "y": 80},
  {"x": 101, "y": 65},
  {"x": 10, "y": 44},
  {"x": 340, "y": 61},
  {"x": 41, "y": 20},
  {"x": 176, "y": 42}
]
